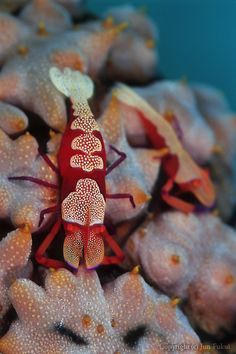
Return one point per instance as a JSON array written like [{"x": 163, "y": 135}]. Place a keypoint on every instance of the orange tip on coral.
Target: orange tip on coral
[{"x": 135, "y": 270}]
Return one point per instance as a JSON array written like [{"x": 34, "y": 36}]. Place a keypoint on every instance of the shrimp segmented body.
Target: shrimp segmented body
[
  {"x": 177, "y": 163},
  {"x": 81, "y": 170}
]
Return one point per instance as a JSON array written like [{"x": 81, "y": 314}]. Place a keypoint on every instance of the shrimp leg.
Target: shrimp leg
[
  {"x": 117, "y": 162},
  {"x": 119, "y": 255},
  {"x": 39, "y": 255},
  {"x": 174, "y": 201}
]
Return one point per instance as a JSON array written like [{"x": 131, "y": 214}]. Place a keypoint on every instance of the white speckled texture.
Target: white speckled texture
[
  {"x": 102, "y": 319},
  {"x": 15, "y": 250},
  {"x": 12, "y": 119},
  {"x": 24, "y": 79},
  {"x": 22, "y": 201}
]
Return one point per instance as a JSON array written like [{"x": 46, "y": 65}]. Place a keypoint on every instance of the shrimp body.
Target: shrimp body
[
  {"x": 82, "y": 171},
  {"x": 82, "y": 152},
  {"x": 82, "y": 167},
  {"x": 177, "y": 163}
]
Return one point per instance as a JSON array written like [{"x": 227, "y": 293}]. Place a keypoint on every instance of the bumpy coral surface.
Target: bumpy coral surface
[
  {"x": 24, "y": 80},
  {"x": 216, "y": 110},
  {"x": 122, "y": 178},
  {"x": 192, "y": 257},
  {"x": 22, "y": 201},
  {"x": 12, "y": 32},
  {"x": 136, "y": 19},
  {"x": 75, "y": 7},
  {"x": 74, "y": 315},
  {"x": 12, "y": 119},
  {"x": 175, "y": 101},
  {"x": 225, "y": 181},
  {"x": 139, "y": 63},
  {"x": 14, "y": 255},
  {"x": 53, "y": 16}
]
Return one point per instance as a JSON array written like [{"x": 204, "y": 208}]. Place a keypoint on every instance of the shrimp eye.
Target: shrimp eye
[
  {"x": 69, "y": 334},
  {"x": 133, "y": 336}
]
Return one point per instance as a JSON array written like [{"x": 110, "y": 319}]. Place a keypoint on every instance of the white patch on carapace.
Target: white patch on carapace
[
  {"x": 85, "y": 206},
  {"x": 88, "y": 163},
  {"x": 86, "y": 123},
  {"x": 87, "y": 143}
]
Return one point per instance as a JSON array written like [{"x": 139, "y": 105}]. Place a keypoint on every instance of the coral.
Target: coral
[
  {"x": 136, "y": 19},
  {"x": 192, "y": 257},
  {"x": 12, "y": 119},
  {"x": 75, "y": 315},
  {"x": 122, "y": 179},
  {"x": 54, "y": 143},
  {"x": 138, "y": 64},
  {"x": 224, "y": 177},
  {"x": 14, "y": 254},
  {"x": 22, "y": 201},
  {"x": 175, "y": 101},
  {"x": 75, "y": 7},
  {"x": 216, "y": 110},
  {"x": 24, "y": 80},
  {"x": 12, "y": 33},
  {"x": 53, "y": 16}
]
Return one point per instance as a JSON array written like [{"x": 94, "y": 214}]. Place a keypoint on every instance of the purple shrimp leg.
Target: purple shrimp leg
[
  {"x": 53, "y": 209},
  {"x": 117, "y": 162},
  {"x": 34, "y": 180},
  {"x": 122, "y": 196},
  {"x": 49, "y": 162}
]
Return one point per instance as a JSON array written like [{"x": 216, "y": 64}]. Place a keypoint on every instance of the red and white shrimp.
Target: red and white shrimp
[
  {"x": 178, "y": 165},
  {"x": 82, "y": 170}
]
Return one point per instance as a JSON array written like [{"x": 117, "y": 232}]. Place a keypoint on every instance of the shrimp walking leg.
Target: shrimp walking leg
[
  {"x": 43, "y": 212},
  {"x": 122, "y": 196},
  {"x": 39, "y": 255},
  {"x": 117, "y": 162},
  {"x": 119, "y": 256}
]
